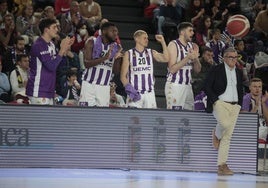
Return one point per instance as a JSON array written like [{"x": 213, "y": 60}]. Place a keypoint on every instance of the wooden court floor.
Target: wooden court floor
[{"x": 92, "y": 178}]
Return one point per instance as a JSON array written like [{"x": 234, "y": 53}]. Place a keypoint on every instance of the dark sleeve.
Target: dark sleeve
[
  {"x": 209, "y": 86},
  {"x": 240, "y": 86}
]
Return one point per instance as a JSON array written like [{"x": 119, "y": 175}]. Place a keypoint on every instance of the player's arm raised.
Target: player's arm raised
[{"x": 161, "y": 57}]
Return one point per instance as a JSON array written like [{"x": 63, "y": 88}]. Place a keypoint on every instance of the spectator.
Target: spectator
[
  {"x": 3, "y": 11},
  {"x": 44, "y": 62},
  {"x": 70, "y": 19},
  {"x": 217, "y": 12},
  {"x": 49, "y": 12},
  {"x": 19, "y": 78},
  {"x": 183, "y": 56},
  {"x": 257, "y": 102},
  {"x": 81, "y": 36},
  {"x": 27, "y": 25},
  {"x": 91, "y": 12},
  {"x": 100, "y": 54},
  {"x": 70, "y": 89},
  {"x": 10, "y": 57},
  {"x": 168, "y": 16},
  {"x": 19, "y": 6},
  {"x": 137, "y": 73},
  {"x": 261, "y": 26},
  {"x": 7, "y": 34},
  {"x": 224, "y": 90},
  {"x": 4, "y": 86},
  {"x": 217, "y": 45},
  {"x": 203, "y": 30},
  {"x": 239, "y": 45},
  {"x": 207, "y": 63},
  {"x": 195, "y": 12},
  {"x": 115, "y": 99},
  {"x": 62, "y": 6}
]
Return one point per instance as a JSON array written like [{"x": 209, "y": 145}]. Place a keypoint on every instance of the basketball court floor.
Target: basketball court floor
[{"x": 92, "y": 178}]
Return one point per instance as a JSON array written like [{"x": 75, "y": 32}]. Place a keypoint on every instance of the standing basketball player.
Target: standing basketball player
[
  {"x": 99, "y": 57},
  {"x": 183, "y": 58},
  {"x": 44, "y": 62},
  {"x": 137, "y": 71}
]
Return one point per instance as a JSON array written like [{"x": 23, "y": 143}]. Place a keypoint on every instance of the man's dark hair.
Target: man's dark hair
[
  {"x": 46, "y": 23},
  {"x": 237, "y": 41},
  {"x": 21, "y": 56},
  {"x": 205, "y": 49},
  {"x": 70, "y": 73},
  {"x": 106, "y": 25},
  {"x": 184, "y": 25},
  {"x": 17, "y": 39}
]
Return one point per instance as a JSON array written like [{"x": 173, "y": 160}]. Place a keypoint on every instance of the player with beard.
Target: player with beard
[
  {"x": 99, "y": 57},
  {"x": 183, "y": 57}
]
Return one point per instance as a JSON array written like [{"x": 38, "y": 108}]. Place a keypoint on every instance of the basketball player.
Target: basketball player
[
  {"x": 183, "y": 58},
  {"x": 44, "y": 62},
  {"x": 137, "y": 71},
  {"x": 99, "y": 57}
]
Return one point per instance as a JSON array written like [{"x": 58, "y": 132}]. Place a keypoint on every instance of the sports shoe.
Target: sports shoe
[
  {"x": 215, "y": 140},
  {"x": 223, "y": 170}
]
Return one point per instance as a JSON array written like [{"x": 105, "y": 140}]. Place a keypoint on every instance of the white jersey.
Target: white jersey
[
  {"x": 101, "y": 73},
  {"x": 141, "y": 70},
  {"x": 183, "y": 75}
]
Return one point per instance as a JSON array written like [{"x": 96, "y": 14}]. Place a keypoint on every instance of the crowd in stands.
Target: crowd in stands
[{"x": 82, "y": 20}]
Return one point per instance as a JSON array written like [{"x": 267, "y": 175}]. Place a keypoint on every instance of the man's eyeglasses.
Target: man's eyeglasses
[{"x": 232, "y": 57}]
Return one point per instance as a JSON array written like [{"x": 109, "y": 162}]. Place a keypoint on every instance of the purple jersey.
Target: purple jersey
[
  {"x": 43, "y": 65},
  {"x": 183, "y": 75},
  {"x": 101, "y": 73},
  {"x": 141, "y": 70}
]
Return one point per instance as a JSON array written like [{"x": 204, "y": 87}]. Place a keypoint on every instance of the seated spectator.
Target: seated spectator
[
  {"x": 27, "y": 25},
  {"x": 168, "y": 20},
  {"x": 91, "y": 12},
  {"x": 3, "y": 11},
  {"x": 49, "y": 12},
  {"x": 207, "y": 62},
  {"x": 233, "y": 6},
  {"x": 19, "y": 6},
  {"x": 19, "y": 78},
  {"x": 4, "y": 86},
  {"x": 7, "y": 34},
  {"x": 217, "y": 45},
  {"x": 70, "y": 19},
  {"x": 115, "y": 99},
  {"x": 9, "y": 58},
  {"x": 257, "y": 102},
  {"x": 152, "y": 10},
  {"x": 70, "y": 89},
  {"x": 203, "y": 30},
  {"x": 195, "y": 12},
  {"x": 217, "y": 12},
  {"x": 239, "y": 45},
  {"x": 81, "y": 36},
  {"x": 261, "y": 26},
  {"x": 62, "y": 6}
]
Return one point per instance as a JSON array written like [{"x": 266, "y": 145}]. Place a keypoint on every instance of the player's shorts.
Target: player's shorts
[
  {"x": 41, "y": 100},
  {"x": 94, "y": 95},
  {"x": 147, "y": 101},
  {"x": 179, "y": 97}
]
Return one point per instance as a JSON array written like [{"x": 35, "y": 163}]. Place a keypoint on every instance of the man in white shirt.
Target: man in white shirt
[{"x": 224, "y": 89}]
